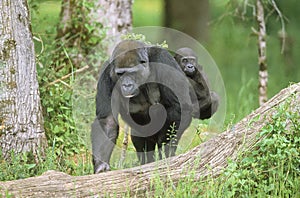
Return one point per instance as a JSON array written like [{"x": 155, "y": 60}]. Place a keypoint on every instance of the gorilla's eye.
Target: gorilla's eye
[
  {"x": 120, "y": 73},
  {"x": 193, "y": 61},
  {"x": 184, "y": 60},
  {"x": 143, "y": 61}
]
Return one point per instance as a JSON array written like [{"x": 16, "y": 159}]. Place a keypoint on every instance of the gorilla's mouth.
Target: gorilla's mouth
[
  {"x": 189, "y": 70},
  {"x": 130, "y": 94}
]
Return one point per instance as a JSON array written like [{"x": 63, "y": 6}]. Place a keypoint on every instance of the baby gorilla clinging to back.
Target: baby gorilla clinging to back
[{"x": 207, "y": 100}]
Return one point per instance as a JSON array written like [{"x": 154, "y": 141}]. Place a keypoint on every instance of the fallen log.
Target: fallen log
[{"x": 207, "y": 159}]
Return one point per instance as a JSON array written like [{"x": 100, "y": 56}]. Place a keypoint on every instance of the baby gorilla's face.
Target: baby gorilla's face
[{"x": 188, "y": 65}]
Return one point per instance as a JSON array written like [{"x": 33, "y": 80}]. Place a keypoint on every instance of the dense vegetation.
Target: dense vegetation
[
  {"x": 269, "y": 169},
  {"x": 273, "y": 169}
]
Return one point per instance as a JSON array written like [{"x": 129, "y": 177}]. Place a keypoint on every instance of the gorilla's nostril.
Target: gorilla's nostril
[{"x": 127, "y": 86}]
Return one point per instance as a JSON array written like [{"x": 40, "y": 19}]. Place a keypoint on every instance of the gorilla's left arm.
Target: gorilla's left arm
[
  {"x": 208, "y": 100},
  {"x": 175, "y": 89}
]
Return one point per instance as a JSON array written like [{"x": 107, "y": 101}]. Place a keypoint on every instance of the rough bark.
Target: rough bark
[
  {"x": 21, "y": 117},
  {"x": 190, "y": 17},
  {"x": 262, "y": 53},
  {"x": 115, "y": 15},
  {"x": 207, "y": 159}
]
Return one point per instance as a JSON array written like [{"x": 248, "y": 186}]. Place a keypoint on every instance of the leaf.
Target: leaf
[
  {"x": 49, "y": 109},
  {"x": 30, "y": 166}
]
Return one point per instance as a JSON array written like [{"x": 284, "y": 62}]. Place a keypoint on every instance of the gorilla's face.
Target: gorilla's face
[
  {"x": 188, "y": 64},
  {"x": 187, "y": 60},
  {"x": 131, "y": 69}
]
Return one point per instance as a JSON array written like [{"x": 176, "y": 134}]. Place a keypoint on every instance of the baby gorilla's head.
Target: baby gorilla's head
[{"x": 187, "y": 60}]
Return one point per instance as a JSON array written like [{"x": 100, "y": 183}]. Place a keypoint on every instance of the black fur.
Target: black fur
[{"x": 163, "y": 94}]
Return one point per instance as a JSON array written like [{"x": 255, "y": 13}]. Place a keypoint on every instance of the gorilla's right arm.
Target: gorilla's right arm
[{"x": 105, "y": 128}]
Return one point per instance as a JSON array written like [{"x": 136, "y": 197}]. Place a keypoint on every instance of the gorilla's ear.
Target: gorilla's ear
[{"x": 112, "y": 73}]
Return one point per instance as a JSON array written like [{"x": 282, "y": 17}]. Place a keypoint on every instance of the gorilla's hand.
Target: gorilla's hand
[{"x": 100, "y": 167}]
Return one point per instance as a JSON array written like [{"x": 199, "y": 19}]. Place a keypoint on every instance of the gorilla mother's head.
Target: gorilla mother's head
[{"x": 130, "y": 66}]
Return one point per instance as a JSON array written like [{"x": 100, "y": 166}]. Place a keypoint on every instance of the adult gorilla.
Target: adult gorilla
[{"x": 145, "y": 85}]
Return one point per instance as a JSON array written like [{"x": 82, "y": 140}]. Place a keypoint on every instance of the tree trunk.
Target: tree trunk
[
  {"x": 80, "y": 21},
  {"x": 115, "y": 15},
  {"x": 207, "y": 159},
  {"x": 21, "y": 117},
  {"x": 190, "y": 17},
  {"x": 262, "y": 53}
]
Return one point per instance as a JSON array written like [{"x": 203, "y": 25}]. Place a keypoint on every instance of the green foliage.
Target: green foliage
[
  {"x": 44, "y": 16},
  {"x": 17, "y": 169},
  {"x": 272, "y": 166},
  {"x": 234, "y": 47},
  {"x": 199, "y": 131},
  {"x": 59, "y": 123},
  {"x": 58, "y": 112},
  {"x": 141, "y": 37},
  {"x": 78, "y": 41},
  {"x": 57, "y": 58},
  {"x": 22, "y": 166},
  {"x": 270, "y": 169}
]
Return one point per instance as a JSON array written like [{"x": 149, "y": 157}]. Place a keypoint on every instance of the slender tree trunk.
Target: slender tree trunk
[
  {"x": 207, "y": 159},
  {"x": 21, "y": 117},
  {"x": 262, "y": 53}
]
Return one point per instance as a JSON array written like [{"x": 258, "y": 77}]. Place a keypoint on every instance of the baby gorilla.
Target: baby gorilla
[{"x": 207, "y": 100}]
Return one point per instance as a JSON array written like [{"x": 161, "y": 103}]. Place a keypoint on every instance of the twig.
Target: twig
[
  {"x": 39, "y": 39},
  {"x": 124, "y": 145},
  {"x": 282, "y": 25},
  {"x": 68, "y": 75}
]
